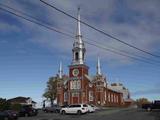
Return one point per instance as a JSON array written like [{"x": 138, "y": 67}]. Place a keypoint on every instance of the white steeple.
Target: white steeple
[
  {"x": 78, "y": 46},
  {"x": 60, "y": 70},
  {"x": 98, "y": 67},
  {"x": 79, "y": 27}
]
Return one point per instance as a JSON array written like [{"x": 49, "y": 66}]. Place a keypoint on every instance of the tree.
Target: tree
[
  {"x": 4, "y": 104},
  {"x": 16, "y": 107},
  {"x": 51, "y": 90},
  {"x": 141, "y": 101}
]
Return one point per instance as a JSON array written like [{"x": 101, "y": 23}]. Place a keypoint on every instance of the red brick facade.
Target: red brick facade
[{"x": 78, "y": 88}]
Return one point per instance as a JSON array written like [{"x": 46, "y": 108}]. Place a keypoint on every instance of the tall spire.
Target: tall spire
[
  {"x": 78, "y": 24},
  {"x": 78, "y": 46},
  {"x": 98, "y": 67},
  {"x": 78, "y": 33},
  {"x": 60, "y": 70}
]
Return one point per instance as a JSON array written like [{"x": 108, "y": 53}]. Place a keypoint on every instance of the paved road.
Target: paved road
[{"x": 107, "y": 114}]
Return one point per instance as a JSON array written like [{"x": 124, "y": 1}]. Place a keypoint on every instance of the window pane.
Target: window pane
[{"x": 84, "y": 105}]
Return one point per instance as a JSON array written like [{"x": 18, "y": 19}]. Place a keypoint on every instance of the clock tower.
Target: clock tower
[{"x": 77, "y": 70}]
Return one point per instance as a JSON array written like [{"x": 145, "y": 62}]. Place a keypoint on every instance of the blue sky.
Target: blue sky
[{"x": 30, "y": 54}]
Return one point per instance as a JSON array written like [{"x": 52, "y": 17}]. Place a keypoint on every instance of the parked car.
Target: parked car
[
  {"x": 90, "y": 108},
  {"x": 54, "y": 108},
  {"x": 75, "y": 109},
  {"x": 8, "y": 115},
  {"x": 28, "y": 111},
  {"x": 64, "y": 106},
  {"x": 2, "y": 115},
  {"x": 95, "y": 107},
  {"x": 152, "y": 106}
]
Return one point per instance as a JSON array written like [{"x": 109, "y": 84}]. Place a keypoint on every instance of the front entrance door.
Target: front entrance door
[{"x": 75, "y": 100}]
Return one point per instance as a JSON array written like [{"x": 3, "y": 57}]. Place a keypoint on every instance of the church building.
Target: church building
[{"x": 79, "y": 87}]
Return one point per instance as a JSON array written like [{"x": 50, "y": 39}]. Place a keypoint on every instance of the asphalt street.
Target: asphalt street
[{"x": 106, "y": 114}]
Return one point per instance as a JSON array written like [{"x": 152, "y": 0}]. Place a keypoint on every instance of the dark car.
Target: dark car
[
  {"x": 28, "y": 111},
  {"x": 54, "y": 108},
  {"x": 2, "y": 115},
  {"x": 8, "y": 115},
  {"x": 64, "y": 106},
  {"x": 152, "y": 106},
  {"x": 146, "y": 106}
]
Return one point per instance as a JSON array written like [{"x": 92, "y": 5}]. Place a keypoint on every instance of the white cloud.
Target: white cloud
[
  {"x": 142, "y": 34},
  {"x": 5, "y": 27},
  {"x": 146, "y": 92}
]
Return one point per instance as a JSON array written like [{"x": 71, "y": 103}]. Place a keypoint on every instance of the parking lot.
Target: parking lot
[{"x": 110, "y": 114}]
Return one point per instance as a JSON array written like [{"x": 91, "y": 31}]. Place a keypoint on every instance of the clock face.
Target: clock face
[
  {"x": 90, "y": 85},
  {"x": 75, "y": 72}
]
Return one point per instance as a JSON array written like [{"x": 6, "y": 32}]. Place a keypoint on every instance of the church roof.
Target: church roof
[
  {"x": 113, "y": 89},
  {"x": 90, "y": 78},
  {"x": 128, "y": 100}
]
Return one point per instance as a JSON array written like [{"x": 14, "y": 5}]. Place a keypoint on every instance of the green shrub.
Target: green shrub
[
  {"x": 4, "y": 104},
  {"x": 16, "y": 107}
]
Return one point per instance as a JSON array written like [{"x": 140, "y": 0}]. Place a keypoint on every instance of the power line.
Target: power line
[
  {"x": 119, "y": 53},
  {"x": 66, "y": 34},
  {"x": 122, "y": 51},
  {"x": 101, "y": 31},
  {"x": 40, "y": 24},
  {"x": 6, "y": 6},
  {"x": 72, "y": 33},
  {"x": 71, "y": 36}
]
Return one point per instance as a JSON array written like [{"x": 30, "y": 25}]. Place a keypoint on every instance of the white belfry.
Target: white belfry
[
  {"x": 60, "y": 70},
  {"x": 98, "y": 67},
  {"x": 78, "y": 46}
]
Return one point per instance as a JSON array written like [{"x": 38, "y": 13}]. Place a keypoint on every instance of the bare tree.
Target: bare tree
[{"x": 142, "y": 101}]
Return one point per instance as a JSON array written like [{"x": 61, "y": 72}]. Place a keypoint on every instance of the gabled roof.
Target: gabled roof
[
  {"x": 113, "y": 89},
  {"x": 89, "y": 77},
  {"x": 20, "y": 99},
  {"x": 128, "y": 100},
  {"x": 65, "y": 81}
]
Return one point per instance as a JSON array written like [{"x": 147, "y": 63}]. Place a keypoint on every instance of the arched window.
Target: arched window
[{"x": 76, "y": 55}]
